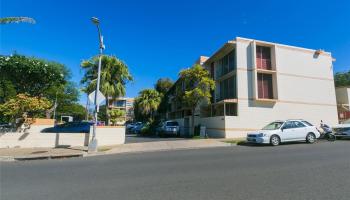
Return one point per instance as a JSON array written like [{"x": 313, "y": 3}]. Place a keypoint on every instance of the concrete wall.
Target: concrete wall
[
  {"x": 343, "y": 95},
  {"x": 34, "y": 138}
]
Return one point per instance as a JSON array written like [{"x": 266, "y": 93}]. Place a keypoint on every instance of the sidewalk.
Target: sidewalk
[
  {"x": 167, "y": 145},
  {"x": 12, "y": 154}
]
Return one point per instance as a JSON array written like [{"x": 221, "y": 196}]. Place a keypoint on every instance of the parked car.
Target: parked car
[
  {"x": 130, "y": 127},
  {"x": 138, "y": 127},
  {"x": 285, "y": 131},
  {"x": 70, "y": 127},
  {"x": 168, "y": 128},
  {"x": 342, "y": 130}
]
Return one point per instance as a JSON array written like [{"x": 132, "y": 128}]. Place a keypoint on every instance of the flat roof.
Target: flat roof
[{"x": 230, "y": 43}]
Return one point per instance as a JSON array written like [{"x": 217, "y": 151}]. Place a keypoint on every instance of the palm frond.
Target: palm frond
[{"x": 8, "y": 20}]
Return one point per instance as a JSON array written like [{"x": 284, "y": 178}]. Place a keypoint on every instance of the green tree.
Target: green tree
[
  {"x": 342, "y": 79},
  {"x": 31, "y": 75},
  {"x": 77, "y": 111},
  {"x": 198, "y": 87},
  {"x": 23, "y": 103},
  {"x": 114, "y": 76},
  {"x": 7, "y": 90},
  {"x": 116, "y": 115},
  {"x": 39, "y": 78},
  {"x": 8, "y": 20},
  {"x": 163, "y": 85},
  {"x": 147, "y": 103}
]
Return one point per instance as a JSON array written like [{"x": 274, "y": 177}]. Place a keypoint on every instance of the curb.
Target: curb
[{"x": 44, "y": 157}]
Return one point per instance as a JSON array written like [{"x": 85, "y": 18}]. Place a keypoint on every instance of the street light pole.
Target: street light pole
[{"x": 93, "y": 143}]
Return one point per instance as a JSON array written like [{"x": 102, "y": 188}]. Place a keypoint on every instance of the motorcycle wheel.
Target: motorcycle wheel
[{"x": 331, "y": 137}]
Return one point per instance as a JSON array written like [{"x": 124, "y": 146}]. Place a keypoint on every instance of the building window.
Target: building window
[
  {"x": 231, "y": 109},
  {"x": 231, "y": 61},
  {"x": 120, "y": 103},
  {"x": 263, "y": 57},
  {"x": 265, "y": 88},
  {"x": 212, "y": 70},
  {"x": 226, "y": 64},
  {"x": 228, "y": 88}
]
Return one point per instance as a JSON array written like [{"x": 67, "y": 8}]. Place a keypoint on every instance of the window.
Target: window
[
  {"x": 263, "y": 57},
  {"x": 307, "y": 123},
  {"x": 212, "y": 70},
  {"x": 174, "y": 123},
  {"x": 265, "y": 89},
  {"x": 288, "y": 125},
  {"x": 231, "y": 109},
  {"x": 273, "y": 126},
  {"x": 120, "y": 103},
  {"x": 298, "y": 124},
  {"x": 226, "y": 64},
  {"x": 228, "y": 88},
  {"x": 231, "y": 61}
]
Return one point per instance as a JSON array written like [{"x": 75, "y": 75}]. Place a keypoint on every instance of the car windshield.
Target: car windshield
[
  {"x": 172, "y": 124},
  {"x": 273, "y": 126}
]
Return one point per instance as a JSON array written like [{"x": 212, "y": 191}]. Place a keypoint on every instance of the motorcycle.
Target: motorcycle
[{"x": 326, "y": 133}]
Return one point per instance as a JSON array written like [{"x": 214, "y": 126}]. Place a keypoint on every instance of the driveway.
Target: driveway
[
  {"x": 132, "y": 138},
  {"x": 290, "y": 172}
]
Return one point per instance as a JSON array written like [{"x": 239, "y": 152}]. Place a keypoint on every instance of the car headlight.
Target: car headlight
[{"x": 261, "y": 135}]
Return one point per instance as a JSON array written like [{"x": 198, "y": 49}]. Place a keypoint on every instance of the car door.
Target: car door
[
  {"x": 300, "y": 130},
  {"x": 288, "y": 131}
]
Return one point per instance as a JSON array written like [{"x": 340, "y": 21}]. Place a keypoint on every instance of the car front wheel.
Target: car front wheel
[
  {"x": 310, "y": 138},
  {"x": 275, "y": 140}
]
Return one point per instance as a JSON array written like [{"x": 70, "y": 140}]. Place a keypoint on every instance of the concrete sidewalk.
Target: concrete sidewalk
[
  {"x": 168, "y": 145},
  {"x": 11, "y": 154}
]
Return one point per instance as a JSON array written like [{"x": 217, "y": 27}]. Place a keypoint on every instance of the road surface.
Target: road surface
[{"x": 294, "y": 171}]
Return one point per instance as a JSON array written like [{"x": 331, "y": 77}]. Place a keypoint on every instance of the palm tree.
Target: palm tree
[
  {"x": 8, "y": 20},
  {"x": 114, "y": 76},
  {"x": 148, "y": 102}
]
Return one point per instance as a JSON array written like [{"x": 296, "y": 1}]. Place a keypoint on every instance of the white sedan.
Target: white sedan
[{"x": 285, "y": 131}]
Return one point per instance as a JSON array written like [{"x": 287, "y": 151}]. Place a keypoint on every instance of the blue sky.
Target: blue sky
[{"x": 159, "y": 38}]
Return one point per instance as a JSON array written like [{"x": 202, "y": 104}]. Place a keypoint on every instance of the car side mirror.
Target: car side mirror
[{"x": 282, "y": 129}]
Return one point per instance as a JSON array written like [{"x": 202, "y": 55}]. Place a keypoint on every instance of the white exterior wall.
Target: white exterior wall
[
  {"x": 34, "y": 138},
  {"x": 343, "y": 95},
  {"x": 305, "y": 90}
]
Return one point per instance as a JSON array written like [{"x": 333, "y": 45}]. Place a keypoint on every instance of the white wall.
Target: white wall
[
  {"x": 343, "y": 95},
  {"x": 305, "y": 89},
  {"x": 34, "y": 138}
]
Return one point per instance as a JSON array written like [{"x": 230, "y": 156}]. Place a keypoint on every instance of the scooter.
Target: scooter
[{"x": 327, "y": 133}]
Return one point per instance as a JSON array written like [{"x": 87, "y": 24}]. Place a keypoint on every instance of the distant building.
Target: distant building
[
  {"x": 258, "y": 82},
  {"x": 123, "y": 103}
]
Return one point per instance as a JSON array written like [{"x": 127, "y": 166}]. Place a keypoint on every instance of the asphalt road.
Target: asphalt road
[{"x": 297, "y": 171}]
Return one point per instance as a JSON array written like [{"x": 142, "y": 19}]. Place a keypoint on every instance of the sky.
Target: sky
[{"x": 159, "y": 38}]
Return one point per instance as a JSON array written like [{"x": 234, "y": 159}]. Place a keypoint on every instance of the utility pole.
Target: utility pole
[{"x": 93, "y": 143}]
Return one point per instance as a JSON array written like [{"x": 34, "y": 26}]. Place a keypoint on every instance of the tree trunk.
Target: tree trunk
[{"x": 192, "y": 123}]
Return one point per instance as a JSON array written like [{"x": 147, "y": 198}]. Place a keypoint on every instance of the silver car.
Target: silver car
[{"x": 168, "y": 128}]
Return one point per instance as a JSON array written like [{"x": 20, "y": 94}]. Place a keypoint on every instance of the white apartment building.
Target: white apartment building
[{"x": 258, "y": 82}]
